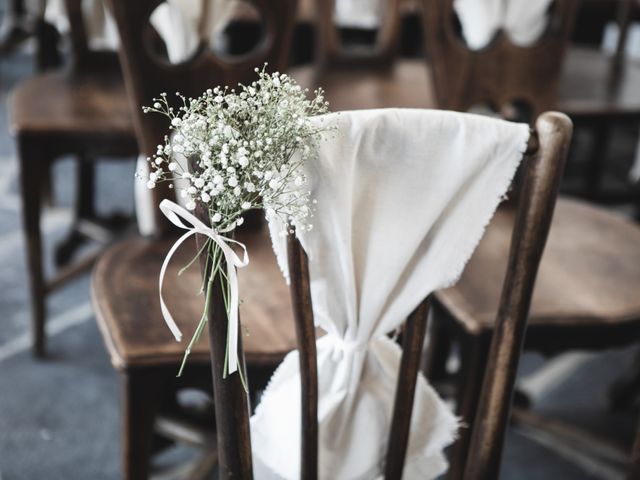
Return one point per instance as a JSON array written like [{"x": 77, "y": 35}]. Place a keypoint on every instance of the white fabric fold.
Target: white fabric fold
[
  {"x": 365, "y": 14},
  {"x": 523, "y": 21},
  {"x": 403, "y": 197}
]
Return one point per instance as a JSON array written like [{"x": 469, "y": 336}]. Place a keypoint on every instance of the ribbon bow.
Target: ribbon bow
[{"x": 175, "y": 213}]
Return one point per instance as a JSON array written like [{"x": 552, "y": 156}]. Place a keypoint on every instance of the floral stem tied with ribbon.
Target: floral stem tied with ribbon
[{"x": 247, "y": 147}]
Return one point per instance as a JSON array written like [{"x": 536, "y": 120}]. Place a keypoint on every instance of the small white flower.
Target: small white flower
[
  {"x": 243, "y": 161},
  {"x": 205, "y": 197},
  {"x": 191, "y": 205},
  {"x": 246, "y": 205},
  {"x": 176, "y": 122},
  {"x": 233, "y": 181},
  {"x": 151, "y": 184},
  {"x": 173, "y": 166},
  {"x": 216, "y": 218},
  {"x": 199, "y": 182},
  {"x": 239, "y": 221}
]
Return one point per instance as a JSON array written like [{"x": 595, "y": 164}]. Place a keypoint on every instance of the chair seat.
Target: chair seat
[
  {"x": 586, "y": 88},
  {"x": 406, "y": 84},
  {"x": 67, "y": 102},
  {"x": 588, "y": 275},
  {"x": 125, "y": 298}
]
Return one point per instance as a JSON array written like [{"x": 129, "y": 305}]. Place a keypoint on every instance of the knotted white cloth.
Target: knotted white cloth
[
  {"x": 403, "y": 197},
  {"x": 524, "y": 21}
]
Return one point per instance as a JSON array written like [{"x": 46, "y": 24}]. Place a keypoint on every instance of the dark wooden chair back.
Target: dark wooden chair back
[
  {"x": 147, "y": 74},
  {"x": 331, "y": 52},
  {"x": 84, "y": 58},
  {"x": 500, "y": 74},
  {"x": 545, "y": 160}
]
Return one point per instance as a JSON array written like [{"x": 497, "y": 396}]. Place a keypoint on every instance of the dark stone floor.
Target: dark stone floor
[{"x": 59, "y": 418}]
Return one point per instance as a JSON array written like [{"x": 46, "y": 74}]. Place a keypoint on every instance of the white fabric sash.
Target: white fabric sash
[
  {"x": 175, "y": 213},
  {"x": 403, "y": 197},
  {"x": 522, "y": 20}
]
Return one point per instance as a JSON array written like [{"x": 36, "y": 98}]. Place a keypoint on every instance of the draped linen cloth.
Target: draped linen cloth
[
  {"x": 403, "y": 197},
  {"x": 524, "y": 21}
]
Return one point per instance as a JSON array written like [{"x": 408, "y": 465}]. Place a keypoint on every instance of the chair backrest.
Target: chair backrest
[
  {"x": 501, "y": 73},
  {"x": 330, "y": 51},
  {"x": 83, "y": 56},
  {"x": 546, "y": 155},
  {"x": 147, "y": 75}
]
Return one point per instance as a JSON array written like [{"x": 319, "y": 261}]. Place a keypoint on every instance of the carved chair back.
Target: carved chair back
[
  {"x": 147, "y": 73},
  {"x": 543, "y": 169},
  {"x": 501, "y": 74}
]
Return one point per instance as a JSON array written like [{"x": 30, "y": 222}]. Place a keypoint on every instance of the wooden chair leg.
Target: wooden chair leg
[
  {"x": 31, "y": 161},
  {"x": 625, "y": 390},
  {"x": 434, "y": 364},
  {"x": 634, "y": 472},
  {"x": 474, "y": 356},
  {"x": 596, "y": 161},
  {"x": 141, "y": 390}
]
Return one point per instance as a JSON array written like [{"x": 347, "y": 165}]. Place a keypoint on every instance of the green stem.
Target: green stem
[{"x": 205, "y": 245}]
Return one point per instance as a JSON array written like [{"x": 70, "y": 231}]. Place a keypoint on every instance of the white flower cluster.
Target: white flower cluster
[{"x": 246, "y": 148}]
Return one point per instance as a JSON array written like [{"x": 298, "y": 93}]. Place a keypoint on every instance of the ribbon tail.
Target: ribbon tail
[
  {"x": 166, "y": 314},
  {"x": 232, "y": 329}
]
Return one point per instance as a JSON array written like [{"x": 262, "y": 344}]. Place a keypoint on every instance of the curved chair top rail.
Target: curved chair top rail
[
  {"x": 500, "y": 73},
  {"x": 546, "y": 154},
  {"x": 83, "y": 56},
  {"x": 330, "y": 50},
  {"x": 147, "y": 74}
]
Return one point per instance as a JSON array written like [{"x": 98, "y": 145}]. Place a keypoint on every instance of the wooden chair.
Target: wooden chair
[
  {"x": 365, "y": 77},
  {"x": 586, "y": 294},
  {"x": 544, "y": 169},
  {"x": 591, "y": 87},
  {"x": 125, "y": 279},
  {"x": 81, "y": 110}
]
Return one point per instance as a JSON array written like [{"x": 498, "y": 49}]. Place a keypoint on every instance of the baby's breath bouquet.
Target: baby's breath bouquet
[{"x": 246, "y": 147}]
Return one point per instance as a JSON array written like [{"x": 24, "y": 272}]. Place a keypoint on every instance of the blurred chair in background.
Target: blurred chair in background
[
  {"x": 125, "y": 280},
  {"x": 80, "y": 110},
  {"x": 535, "y": 209},
  {"x": 586, "y": 295},
  {"x": 356, "y": 75},
  {"x": 15, "y": 26}
]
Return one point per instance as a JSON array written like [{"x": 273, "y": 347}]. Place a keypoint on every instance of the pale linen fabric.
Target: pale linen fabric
[
  {"x": 403, "y": 197},
  {"x": 359, "y": 13},
  {"x": 524, "y": 21}
]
